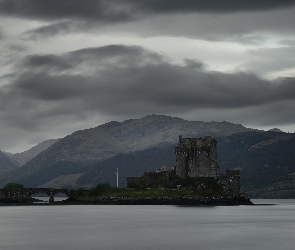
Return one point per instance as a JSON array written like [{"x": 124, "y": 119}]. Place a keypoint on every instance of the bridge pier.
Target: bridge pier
[{"x": 51, "y": 197}]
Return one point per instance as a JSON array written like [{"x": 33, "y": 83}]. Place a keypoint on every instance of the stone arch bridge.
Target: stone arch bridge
[{"x": 24, "y": 194}]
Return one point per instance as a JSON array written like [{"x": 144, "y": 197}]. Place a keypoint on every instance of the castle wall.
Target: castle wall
[
  {"x": 231, "y": 180},
  {"x": 197, "y": 157},
  {"x": 150, "y": 179}
]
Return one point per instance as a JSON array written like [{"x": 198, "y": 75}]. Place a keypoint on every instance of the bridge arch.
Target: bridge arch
[
  {"x": 51, "y": 192},
  {"x": 26, "y": 193}
]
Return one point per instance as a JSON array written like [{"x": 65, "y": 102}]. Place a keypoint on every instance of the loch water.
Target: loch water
[{"x": 83, "y": 227}]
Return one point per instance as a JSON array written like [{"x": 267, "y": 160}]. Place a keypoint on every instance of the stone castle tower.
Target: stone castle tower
[{"x": 197, "y": 157}]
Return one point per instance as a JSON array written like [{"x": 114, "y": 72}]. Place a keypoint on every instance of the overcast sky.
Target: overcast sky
[{"x": 67, "y": 65}]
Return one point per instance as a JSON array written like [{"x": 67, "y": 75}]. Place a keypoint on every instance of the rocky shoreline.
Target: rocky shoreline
[
  {"x": 185, "y": 201},
  {"x": 180, "y": 201}
]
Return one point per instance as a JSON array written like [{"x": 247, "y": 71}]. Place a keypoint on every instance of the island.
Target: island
[{"x": 194, "y": 180}]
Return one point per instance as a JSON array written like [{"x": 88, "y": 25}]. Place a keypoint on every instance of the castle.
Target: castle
[{"x": 196, "y": 157}]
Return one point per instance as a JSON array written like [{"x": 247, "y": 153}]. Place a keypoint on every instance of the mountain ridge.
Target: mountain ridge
[
  {"x": 6, "y": 164},
  {"x": 87, "y": 157},
  {"x": 111, "y": 138},
  {"x": 87, "y": 146},
  {"x": 25, "y": 156}
]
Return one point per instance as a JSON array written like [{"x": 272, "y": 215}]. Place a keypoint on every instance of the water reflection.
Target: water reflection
[
  {"x": 45, "y": 199},
  {"x": 148, "y": 227}
]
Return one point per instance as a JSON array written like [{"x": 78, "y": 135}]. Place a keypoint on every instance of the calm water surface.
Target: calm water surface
[{"x": 148, "y": 227}]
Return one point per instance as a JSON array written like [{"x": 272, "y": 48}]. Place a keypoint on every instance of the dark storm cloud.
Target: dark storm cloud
[
  {"x": 103, "y": 10},
  {"x": 97, "y": 58},
  {"x": 125, "y": 10},
  {"x": 238, "y": 21},
  {"x": 47, "y": 61},
  {"x": 52, "y": 29},
  {"x": 168, "y": 6},
  {"x": 124, "y": 54},
  {"x": 57, "y": 92},
  {"x": 242, "y": 27},
  {"x": 131, "y": 79}
]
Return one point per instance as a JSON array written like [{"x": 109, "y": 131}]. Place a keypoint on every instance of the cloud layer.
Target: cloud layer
[
  {"x": 72, "y": 64},
  {"x": 130, "y": 81},
  {"x": 122, "y": 10}
]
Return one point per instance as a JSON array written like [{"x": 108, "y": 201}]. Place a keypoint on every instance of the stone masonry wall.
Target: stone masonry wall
[
  {"x": 197, "y": 157},
  {"x": 231, "y": 180}
]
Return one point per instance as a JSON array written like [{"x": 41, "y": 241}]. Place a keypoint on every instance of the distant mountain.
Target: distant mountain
[
  {"x": 266, "y": 161},
  {"x": 78, "y": 152},
  {"x": 87, "y": 157},
  {"x": 6, "y": 163},
  {"x": 129, "y": 136},
  {"x": 10, "y": 155},
  {"x": 275, "y": 130},
  {"x": 24, "y": 157}
]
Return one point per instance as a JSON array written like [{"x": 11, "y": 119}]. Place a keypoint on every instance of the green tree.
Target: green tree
[
  {"x": 13, "y": 185},
  {"x": 81, "y": 191},
  {"x": 99, "y": 189},
  {"x": 138, "y": 182}
]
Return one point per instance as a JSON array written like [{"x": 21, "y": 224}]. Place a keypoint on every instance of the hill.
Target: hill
[
  {"x": 84, "y": 149},
  {"x": 266, "y": 161},
  {"x": 6, "y": 164},
  {"x": 22, "y": 158},
  {"x": 87, "y": 157}
]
